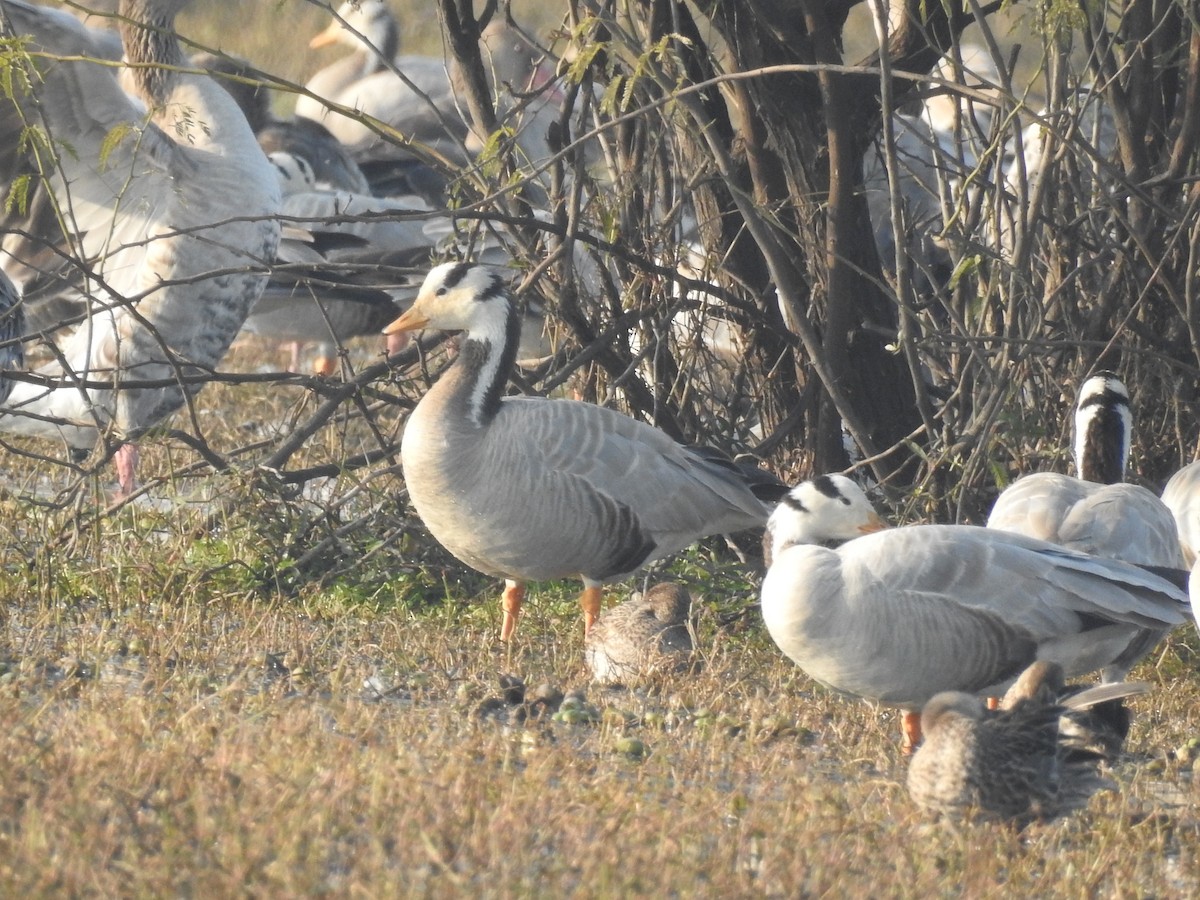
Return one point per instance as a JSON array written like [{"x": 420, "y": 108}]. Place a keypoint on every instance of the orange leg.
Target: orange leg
[
  {"x": 993, "y": 702},
  {"x": 514, "y": 593},
  {"x": 912, "y": 731},
  {"x": 324, "y": 366},
  {"x": 590, "y": 601}
]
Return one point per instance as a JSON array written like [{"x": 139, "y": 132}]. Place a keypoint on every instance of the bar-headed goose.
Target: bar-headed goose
[
  {"x": 901, "y": 614},
  {"x": 1096, "y": 512},
  {"x": 1013, "y": 764},
  {"x": 529, "y": 489},
  {"x": 647, "y": 633},
  {"x": 1182, "y": 497},
  {"x": 418, "y": 102},
  {"x": 171, "y": 207}
]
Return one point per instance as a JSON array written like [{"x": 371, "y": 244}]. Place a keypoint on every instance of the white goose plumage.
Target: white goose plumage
[
  {"x": 899, "y": 615},
  {"x": 171, "y": 206},
  {"x": 1181, "y": 496},
  {"x": 1097, "y": 512},
  {"x": 527, "y": 488}
]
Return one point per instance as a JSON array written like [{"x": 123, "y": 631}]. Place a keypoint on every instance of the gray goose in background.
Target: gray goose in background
[
  {"x": 192, "y": 180},
  {"x": 412, "y": 94},
  {"x": 331, "y": 163},
  {"x": 347, "y": 291},
  {"x": 1095, "y": 512},
  {"x": 901, "y": 614},
  {"x": 532, "y": 489},
  {"x": 12, "y": 329},
  {"x": 647, "y": 633},
  {"x": 1015, "y": 764}
]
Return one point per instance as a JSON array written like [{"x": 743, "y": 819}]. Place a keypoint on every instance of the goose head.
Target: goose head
[
  {"x": 826, "y": 509},
  {"x": 458, "y": 297},
  {"x": 1103, "y": 427},
  {"x": 362, "y": 22}
]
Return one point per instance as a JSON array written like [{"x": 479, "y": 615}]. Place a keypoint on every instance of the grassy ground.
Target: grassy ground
[
  {"x": 194, "y": 710},
  {"x": 242, "y": 688}
]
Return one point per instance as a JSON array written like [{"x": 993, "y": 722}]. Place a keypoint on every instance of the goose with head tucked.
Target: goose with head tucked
[
  {"x": 528, "y": 488},
  {"x": 1096, "y": 512},
  {"x": 170, "y": 208},
  {"x": 1015, "y": 764},
  {"x": 898, "y": 615}
]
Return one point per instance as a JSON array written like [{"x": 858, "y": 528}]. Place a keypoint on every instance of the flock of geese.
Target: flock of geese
[{"x": 176, "y": 210}]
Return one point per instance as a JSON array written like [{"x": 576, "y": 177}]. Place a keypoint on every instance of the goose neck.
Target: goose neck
[
  {"x": 151, "y": 47},
  {"x": 486, "y": 357}
]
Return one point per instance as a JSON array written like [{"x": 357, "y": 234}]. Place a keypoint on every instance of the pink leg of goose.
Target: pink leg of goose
[{"x": 125, "y": 460}]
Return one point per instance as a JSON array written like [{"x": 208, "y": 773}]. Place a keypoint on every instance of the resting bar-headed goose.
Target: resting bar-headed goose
[
  {"x": 527, "y": 488},
  {"x": 1096, "y": 512},
  {"x": 170, "y": 203},
  {"x": 1012, "y": 764},
  {"x": 901, "y": 614}
]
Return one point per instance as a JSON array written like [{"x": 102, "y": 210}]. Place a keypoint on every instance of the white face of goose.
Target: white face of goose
[
  {"x": 829, "y": 508},
  {"x": 459, "y": 297},
  {"x": 370, "y": 18}
]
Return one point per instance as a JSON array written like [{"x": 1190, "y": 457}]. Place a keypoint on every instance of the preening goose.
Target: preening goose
[
  {"x": 1094, "y": 513},
  {"x": 1013, "y": 764},
  {"x": 528, "y": 489},
  {"x": 899, "y": 615},
  {"x": 647, "y": 633},
  {"x": 171, "y": 207}
]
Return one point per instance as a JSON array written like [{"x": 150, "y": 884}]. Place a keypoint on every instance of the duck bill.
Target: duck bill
[
  {"x": 412, "y": 320},
  {"x": 873, "y": 524}
]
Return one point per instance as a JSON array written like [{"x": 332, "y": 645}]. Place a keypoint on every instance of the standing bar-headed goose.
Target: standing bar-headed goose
[
  {"x": 529, "y": 489},
  {"x": 1096, "y": 512},
  {"x": 901, "y": 614},
  {"x": 170, "y": 205}
]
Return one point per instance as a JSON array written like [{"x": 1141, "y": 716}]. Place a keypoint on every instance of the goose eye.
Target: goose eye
[{"x": 441, "y": 292}]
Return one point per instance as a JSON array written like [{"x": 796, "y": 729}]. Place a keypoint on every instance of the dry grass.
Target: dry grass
[
  {"x": 181, "y": 736},
  {"x": 187, "y": 715}
]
